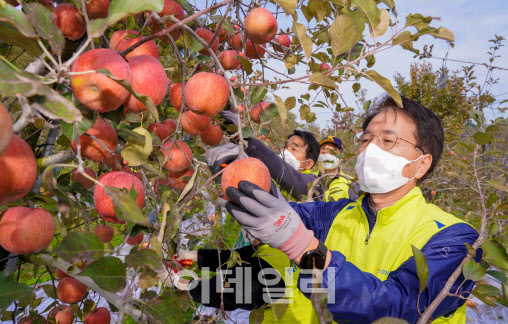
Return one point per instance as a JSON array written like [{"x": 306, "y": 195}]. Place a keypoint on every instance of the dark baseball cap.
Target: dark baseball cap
[{"x": 333, "y": 140}]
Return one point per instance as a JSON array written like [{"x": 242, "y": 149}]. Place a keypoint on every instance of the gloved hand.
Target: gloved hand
[
  {"x": 229, "y": 117},
  {"x": 269, "y": 218},
  {"x": 219, "y": 155}
]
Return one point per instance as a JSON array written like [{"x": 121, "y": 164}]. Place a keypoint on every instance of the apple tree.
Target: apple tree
[{"x": 107, "y": 109}]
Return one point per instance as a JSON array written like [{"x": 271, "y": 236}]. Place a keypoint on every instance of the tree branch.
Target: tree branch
[{"x": 60, "y": 157}]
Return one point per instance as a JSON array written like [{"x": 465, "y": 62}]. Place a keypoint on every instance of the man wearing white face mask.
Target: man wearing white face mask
[
  {"x": 365, "y": 247},
  {"x": 330, "y": 155}
]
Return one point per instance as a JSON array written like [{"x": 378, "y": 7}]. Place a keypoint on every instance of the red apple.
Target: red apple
[
  {"x": 223, "y": 35},
  {"x": 13, "y": 3},
  {"x": 70, "y": 290},
  {"x": 240, "y": 109},
  {"x": 5, "y": 128},
  {"x": 232, "y": 79},
  {"x": 135, "y": 240},
  {"x": 284, "y": 41},
  {"x": 100, "y": 315},
  {"x": 94, "y": 90},
  {"x": 250, "y": 50},
  {"x": 207, "y": 36},
  {"x": 104, "y": 232},
  {"x": 148, "y": 48},
  {"x": 26, "y": 230},
  {"x": 212, "y": 135},
  {"x": 61, "y": 314},
  {"x": 79, "y": 177},
  {"x": 47, "y": 3},
  {"x": 97, "y": 8},
  {"x": 180, "y": 155},
  {"x": 111, "y": 162},
  {"x": 33, "y": 319},
  {"x": 149, "y": 79},
  {"x": 157, "y": 184},
  {"x": 204, "y": 68},
  {"x": 228, "y": 60},
  {"x": 206, "y": 93},
  {"x": 324, "y": 67},
  {"x": 120, "y": 36},
  {"x": 69, "y": 21},
  {"x": 194, "y": 124},
  {"x": 175, "y": 95},
  {"x": 433, "y": 193},
  {"x": 250, "y": 169},
  {"x": 90, "y": 148},
  {"x": 260, "y": 25},
  {"x": 176, "y": 180},
  {"x": 170, "y": 124},
  {"x": 171, "y": 8},
  {"x": 236, "y": 42},
  {"x": 60, "y": 274},
  {"x": 19, "y": 170},
  {"x": 160, "y": 130},
  {"x": 122, "y": 180},
  {"x": 255, "y": 113}
]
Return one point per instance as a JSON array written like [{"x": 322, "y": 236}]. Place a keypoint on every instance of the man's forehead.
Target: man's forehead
[
  {"x": 295, "y": 139},
  {"x": 389, "y": 121}
]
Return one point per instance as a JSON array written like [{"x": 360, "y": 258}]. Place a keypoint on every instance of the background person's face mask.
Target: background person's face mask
[
  {"x": 290, "y": 159},
  {"x": 380, "y": 171},
  {"x": 329, "y": 161}
]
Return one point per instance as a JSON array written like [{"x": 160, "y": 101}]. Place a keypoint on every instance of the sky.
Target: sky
[{"x": 473, "y": 24}]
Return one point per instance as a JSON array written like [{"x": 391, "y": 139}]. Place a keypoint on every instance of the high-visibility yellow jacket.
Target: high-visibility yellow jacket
[
  {"x": 299, "y": 309},
  {"x": 339, "y": 188},
  {"x": 372, "y": 273}
]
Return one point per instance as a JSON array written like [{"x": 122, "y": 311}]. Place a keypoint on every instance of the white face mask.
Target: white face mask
[
  {"x": 380, "y": 171},
  {"x": 329, "y": 161},
  {"x": 290, "y": 159}
]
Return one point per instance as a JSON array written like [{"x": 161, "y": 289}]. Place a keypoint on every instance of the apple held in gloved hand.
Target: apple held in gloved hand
[{"x": 269, "y": 218}]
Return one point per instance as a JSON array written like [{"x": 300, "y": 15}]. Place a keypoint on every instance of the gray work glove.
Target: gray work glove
[
  {"x": 229, "y": 117},
  {"x": 219, "y": 155},
  {"x": 269, "y": 218}
]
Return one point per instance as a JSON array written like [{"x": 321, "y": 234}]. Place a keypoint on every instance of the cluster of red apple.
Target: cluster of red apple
[{"x": 63, "y": 314}]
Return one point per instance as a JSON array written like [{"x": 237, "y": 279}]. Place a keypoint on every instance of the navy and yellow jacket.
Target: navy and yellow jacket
[{"x": 372, "y": 270}]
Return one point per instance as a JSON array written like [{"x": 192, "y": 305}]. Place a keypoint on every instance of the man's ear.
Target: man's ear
[
  {"x": 424, "y": 166},
  {"x": 308, "y": 164}
]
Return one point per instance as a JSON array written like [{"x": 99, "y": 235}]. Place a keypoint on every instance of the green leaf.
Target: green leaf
[
  {"x": 80, "y": 246},
  {"x": 492, "y": 199},
  {"x": 269, "y": 113},
  {"x": 470, "y": 250},
  {"x": 247, "y": 65},
  {"x": 283, "y": 113},
  {"x": 120, "y": 9},
  {"x": 44, "y": 22},
  {"x": 386, "y": 85},
  {"x": 17, "y": 19},
  {"x": 402, "y": 38},
  {"x": 343, "y": 33},
  {"x": 497, "y": 185},
  {"x": 83, "y": 126},
  {"x": 168, "y": 308},
  {"x": 256, "y": 316},
  {"x": 238, "y": 92},
  {"x": 301, "y": 33},
  {"x": 42, "y": 98},
  {"x": 495, "y": 253},
  {"x": 136, "y": 152},
  {"x": 482, "y": 138},
  {"x": 290, "y": 103},
  {"x": 323, "y": 80},
  {"x": 291, "y": 62},
  {"x": 49, "y": 290},
  {"x": 498, "y": 275},
  {"x": 370, "y": 10},
  {"x": 11, "y": 35},
  {"x": 487, "y": 290},
  {"x": 417, "y": 20},
  {"x": 144, "y": 258},
  {"x": 257, "y": 94},
  {"x": 50, "y": 182},
  {"x": 306, "y": 114},
  {"x": 442, "y": 33},
  {"x": 389, "y": 320},
  {"x": 422, "y": 269},
  {"x": 473, "y": 270},
  {"x": 10, "y": 290},
  {"x": 486, "y": 299},
  {"x": 287, "y": 5},
  {"x": 145, "y": 100},
  {"x": 196, "y": 46},
  {"x": 126, "y": 205},
  {"x": 381, "y": 28},
  {"x": 108, "y": 272}
]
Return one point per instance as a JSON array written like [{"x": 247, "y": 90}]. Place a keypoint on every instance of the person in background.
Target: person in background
[{"x": 341, "y": 185}]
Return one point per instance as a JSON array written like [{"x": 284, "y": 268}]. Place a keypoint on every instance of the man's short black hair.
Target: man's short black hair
[
  {"x": 312, "y": 151},
  {"x": 429, "y": 130}
]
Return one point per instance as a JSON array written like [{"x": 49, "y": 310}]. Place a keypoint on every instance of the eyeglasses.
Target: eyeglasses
[{"x": 385, "y": 140}]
